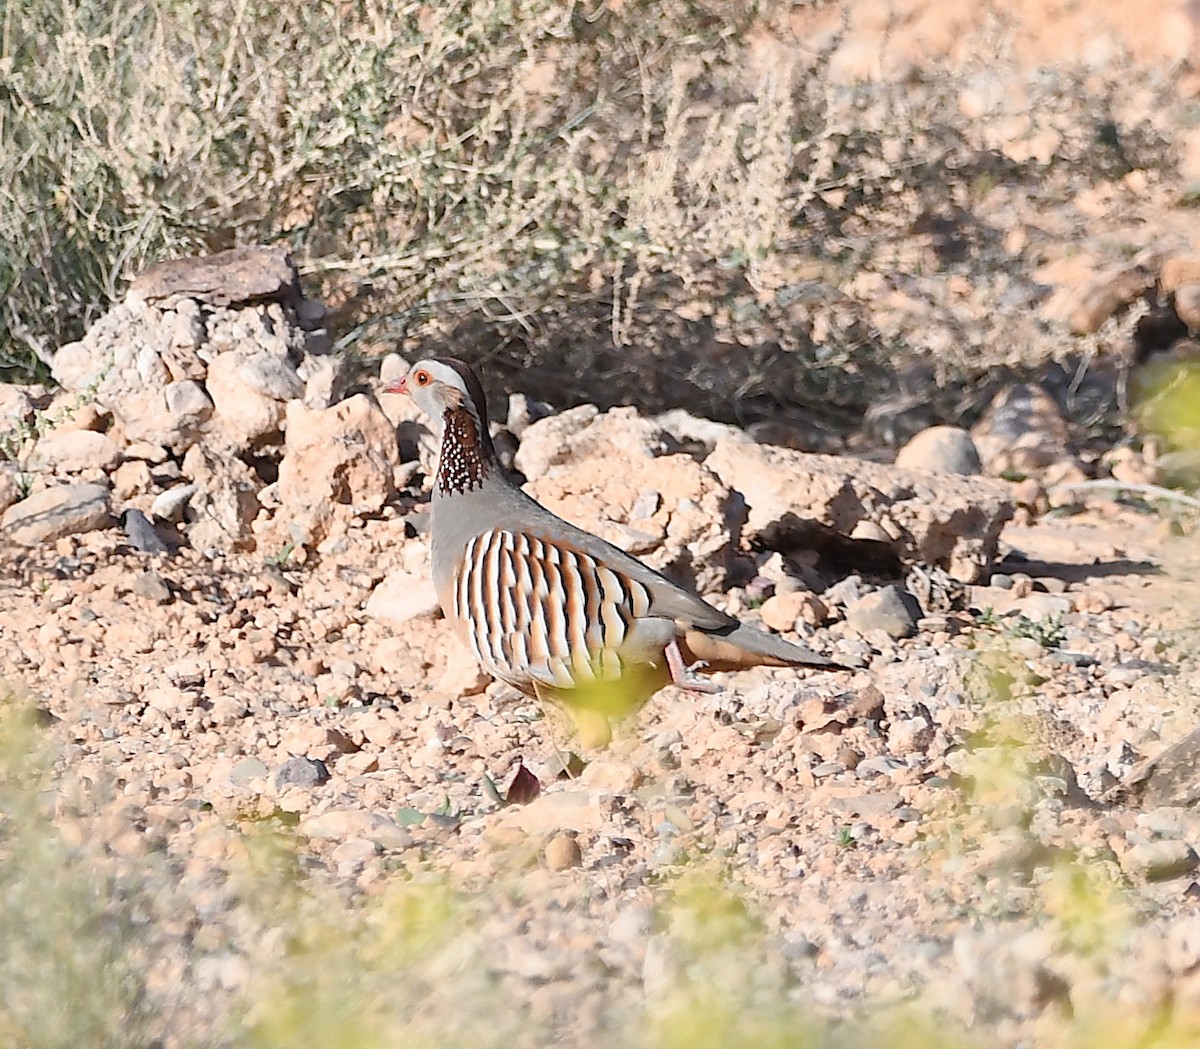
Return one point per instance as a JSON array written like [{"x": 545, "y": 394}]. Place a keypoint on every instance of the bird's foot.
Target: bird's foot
[{"x": 684, "y": 676}]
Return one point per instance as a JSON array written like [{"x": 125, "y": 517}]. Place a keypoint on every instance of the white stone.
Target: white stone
[
  {"x": 402, "y": 596},
  {"x": 941, "y": 449},
  {"x": 170, "y": 505}
]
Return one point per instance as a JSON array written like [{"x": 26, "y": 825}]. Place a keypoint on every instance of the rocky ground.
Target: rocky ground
[
  {"x": 283, "y": 801},
  {"x": 966, "y": 822},
  {"x": 913, "y": 830}
]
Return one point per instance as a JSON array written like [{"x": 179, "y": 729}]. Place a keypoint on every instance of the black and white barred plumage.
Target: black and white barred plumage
[{"x": 540, "y": 611}]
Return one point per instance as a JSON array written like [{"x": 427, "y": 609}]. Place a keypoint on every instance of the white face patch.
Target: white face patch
[
  {"x": 447, "y": 390},
  {"x": 466, "y": 451}
]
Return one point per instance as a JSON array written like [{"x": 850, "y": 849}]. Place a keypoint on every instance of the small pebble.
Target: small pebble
[
  {"x": 562, "y": 852},
  {"x": 301, "y": 772},
  {"x": 141, "y": 533}
]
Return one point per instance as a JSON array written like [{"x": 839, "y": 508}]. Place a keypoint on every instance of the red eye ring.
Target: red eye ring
[{"x": 422, "y": 378}]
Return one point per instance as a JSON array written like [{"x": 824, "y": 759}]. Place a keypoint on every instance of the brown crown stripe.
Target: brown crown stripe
[{"x": 539, "y": 611}]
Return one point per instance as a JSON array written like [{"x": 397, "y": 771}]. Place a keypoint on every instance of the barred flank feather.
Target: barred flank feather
[{"x": 539, "y": 611}]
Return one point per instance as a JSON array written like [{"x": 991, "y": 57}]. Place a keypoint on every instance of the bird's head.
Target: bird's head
[
  {"x": 447, "y": 391},
  {"x": 442, "y": 385}
]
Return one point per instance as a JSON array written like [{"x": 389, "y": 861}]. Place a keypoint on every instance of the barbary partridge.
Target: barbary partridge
[{"x": 546, "y": 607}]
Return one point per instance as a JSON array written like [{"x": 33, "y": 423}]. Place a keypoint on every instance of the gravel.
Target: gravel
[{"x": 865, "y": 817}]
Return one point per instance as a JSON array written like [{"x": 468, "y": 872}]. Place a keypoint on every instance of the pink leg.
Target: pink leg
[{"x": 682, "y": 675}]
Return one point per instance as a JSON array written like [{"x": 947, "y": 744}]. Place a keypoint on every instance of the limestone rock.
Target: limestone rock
[
  {"x": 890, "y": 609},
  {"x": 70, "y": 451},
  {"x": 691, "y": 429},
  {"x": 355, "y": 823},
  {"x": 55, "y": 512},
  {"x": 224, "y": 503},
  {"x": 941, "y": 449},
  {"x": 188, "y": 404},
  {"x": 402, "y": 596},
  {"x": 553, "y": 812},
  {"x": 1160, "y": 860},
  {"x": 932, "y": 519},
  {"x": 550, "y": 441},
  {"x": 249, "y": 390},
  {"x": 119, "y": 364},
  {"x": 1171, "y": 777},
  {"x": 146, "y": 452},
  {"x": 143, "y": 537},
  {"x": 301, "y": 772},
  {"x": 585, "y": 432},
  {"x": 344, "y": 456},
  {"x": 10, "y": 486},
  {"x": 252, "y": 273},
  {"x": 781, "y": 611},
  {"x": 325, "y": 379},
  {"x": 1037, "y": 606},
  {"x": 131, "y": 478},
  {"x": 16, "y": 407},
  {"x": 910, "y": 736},
  {"x": 78, "y": 365},
  {"x": 227, "y": 329},
  {"x": 692, "y": 531},
  {"x": 462, "y": 676},
  {"x": 170, "y": 505}
]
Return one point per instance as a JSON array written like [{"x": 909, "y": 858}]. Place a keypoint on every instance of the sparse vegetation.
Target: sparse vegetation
[
  {"x": 76, "y": 965},
  {"x": 988, "y": 618},
  {"x": 17, "y": 438},
  {"x": 85, "y": 951},
  {"x": 279, "y": 558},
  {"x": 655, "y": 202},
  {"x": 1047, "y": 631},
  {"x": 610, "y": 193}
]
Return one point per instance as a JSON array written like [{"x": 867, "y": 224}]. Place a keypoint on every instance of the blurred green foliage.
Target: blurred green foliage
[{"x": 1169, "y": 401}]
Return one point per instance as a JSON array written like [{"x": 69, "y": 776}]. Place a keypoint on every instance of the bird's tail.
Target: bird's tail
[{"x": 743, "y": 646}]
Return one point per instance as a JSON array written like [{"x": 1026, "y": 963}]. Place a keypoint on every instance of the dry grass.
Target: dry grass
[{"x": 671, "y": 202}]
